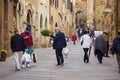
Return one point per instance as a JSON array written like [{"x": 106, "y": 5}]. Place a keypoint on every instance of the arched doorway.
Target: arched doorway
[{"x": 29, "y": 19}]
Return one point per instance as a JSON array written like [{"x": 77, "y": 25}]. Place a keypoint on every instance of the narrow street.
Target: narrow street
[{"x": 73, "y": 69}]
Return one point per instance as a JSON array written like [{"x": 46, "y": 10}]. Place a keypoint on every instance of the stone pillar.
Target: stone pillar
[{"x": 1, "y": 23}]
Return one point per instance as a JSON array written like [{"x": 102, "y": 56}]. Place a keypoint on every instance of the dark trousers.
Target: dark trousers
[
  {"x": 99, "y": 56},
  {"x": 73, "y": 41},
  {"x": 118, "y": 60},
  {"x": 59, "y": 56},
  {"x": 107, "y": 48},
  {"x": 86, "y": 58}
]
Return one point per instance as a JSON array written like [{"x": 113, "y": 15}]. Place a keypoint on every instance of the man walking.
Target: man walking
[
  {"x": 17, "y": 45},
  {"x": 116, "y": 48},
  {"x": 58, "y": 44},
  {"x": 29, "y": 43}
]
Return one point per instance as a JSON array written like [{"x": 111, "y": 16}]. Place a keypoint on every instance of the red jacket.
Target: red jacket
[
  {"x": 74, "y": 37},
  {"x": 28, "y": 41}
]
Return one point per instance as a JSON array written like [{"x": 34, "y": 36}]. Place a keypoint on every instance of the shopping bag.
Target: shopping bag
[
  {"x": 33, "y": 56},
  {"x": 65, "y": 52},
  {"x": 26, "y": 57}
]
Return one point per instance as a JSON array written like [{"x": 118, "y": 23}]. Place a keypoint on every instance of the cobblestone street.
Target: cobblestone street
[{"x": 73, "y": 69}]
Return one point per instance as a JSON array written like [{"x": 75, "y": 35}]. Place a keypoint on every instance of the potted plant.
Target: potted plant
[
  {"x": 45, "y": 33},
  {"x": 3, "y": 56}
]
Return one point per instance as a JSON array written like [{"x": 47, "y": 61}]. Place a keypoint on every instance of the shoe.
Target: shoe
[
  {"x": 62, "y": 64},
  {"x": 100, "y": 62},
  {"x": 28, "y": 65},
  {"x": 23, "y": 66},
  {"x": 17, "y": 69},
  {"x": 57, "y": 64},
  {"x": 107, "y": 56}
]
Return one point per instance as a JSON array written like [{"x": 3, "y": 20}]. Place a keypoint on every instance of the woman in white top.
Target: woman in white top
[{"x": 86, "y": 44}]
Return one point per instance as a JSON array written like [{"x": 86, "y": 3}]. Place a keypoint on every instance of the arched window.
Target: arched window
[
  {"x": 56, "y": 3},
  {"x": 41, "y": 21},
  {"x": 29, "y": 17},
  {"x": 51, "y": 2},
  {"x": 46, "y": 23}
]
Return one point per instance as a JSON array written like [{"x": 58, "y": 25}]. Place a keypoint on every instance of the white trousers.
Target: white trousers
[{"x": 17, "y": 57}]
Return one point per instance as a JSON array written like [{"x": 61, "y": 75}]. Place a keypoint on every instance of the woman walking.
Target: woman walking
[
  {"x": 100, "y": 47},
  {"x": 86, "y": 43}
]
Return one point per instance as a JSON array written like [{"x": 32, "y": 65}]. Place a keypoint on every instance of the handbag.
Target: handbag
[
  {"x": 26, "y": 57},
  {"x": 33, "y": 56},
  {"x": 82, "y": 41}
]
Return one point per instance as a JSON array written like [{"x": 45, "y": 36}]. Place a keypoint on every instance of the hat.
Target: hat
[{"x": 28, "y": 28}]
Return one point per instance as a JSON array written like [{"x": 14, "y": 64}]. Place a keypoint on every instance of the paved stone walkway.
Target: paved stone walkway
[{"x": 73, "y": 69}]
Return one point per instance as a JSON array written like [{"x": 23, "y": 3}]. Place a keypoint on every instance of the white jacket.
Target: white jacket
[{"x": 86, "y": 41}]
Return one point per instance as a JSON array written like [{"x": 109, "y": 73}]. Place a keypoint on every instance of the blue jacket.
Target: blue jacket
[
  {"x": 116, "y": 45},
  {"x": 59, "y": 40}
]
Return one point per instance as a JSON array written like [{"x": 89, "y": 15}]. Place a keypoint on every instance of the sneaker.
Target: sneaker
[
  {"x": 28, "y": 65},
  {"x": 57, "y": 64},
  {"x": 23, "y": 66},
  {"x": 17, "y": 69}
]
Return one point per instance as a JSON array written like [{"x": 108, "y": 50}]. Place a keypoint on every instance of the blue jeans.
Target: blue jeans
[{"x": 29, "y": 49}]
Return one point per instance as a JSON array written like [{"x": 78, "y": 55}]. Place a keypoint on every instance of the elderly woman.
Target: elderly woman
[{"x": 100, "y": 47}]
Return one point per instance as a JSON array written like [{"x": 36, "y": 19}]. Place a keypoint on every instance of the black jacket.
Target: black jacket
[
  {"x": 116, "y": 45},
  {"x": 17, "y": 43}
]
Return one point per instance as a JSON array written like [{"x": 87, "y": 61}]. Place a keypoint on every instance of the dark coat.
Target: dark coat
[
  {"x": 59, "y": 41},
  {"x": 100, "y": 44},
  {"x": 17, "y": 43},
  {"x": 116, "y": 45}
]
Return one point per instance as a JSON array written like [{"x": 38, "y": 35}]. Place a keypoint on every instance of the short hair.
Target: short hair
[
  {"x": 57, "y": 28},
  {"x": 15, "y": 30}
]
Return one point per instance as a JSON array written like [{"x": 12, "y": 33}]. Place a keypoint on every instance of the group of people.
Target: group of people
[
  {"x": 19, "y": 44},
  {"x": 101, "y": 46},
  {"x": 23, "y": 41}
]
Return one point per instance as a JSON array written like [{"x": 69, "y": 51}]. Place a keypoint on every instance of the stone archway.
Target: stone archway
[{"x": 29, "y": 17}]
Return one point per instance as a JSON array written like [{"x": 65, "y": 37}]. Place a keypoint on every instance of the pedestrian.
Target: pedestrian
[
  {"x": 18, "y": 46},
  {"x": 86, "y": 43},
  {"x": 107, "y": 36},
  {"x": 58, "y": 44},
  {"x": 100, "y": 47},
  {"x": 29, "y": 43},
  {"x": 74, "y": 38},
  {"x": 116, "y": 48}
]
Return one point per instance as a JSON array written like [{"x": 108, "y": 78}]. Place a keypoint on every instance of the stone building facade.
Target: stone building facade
[
  {"x": 81, "y": 11},
  {"x": 40, "y": 14},
  {"x": 104, "y": 16}
]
